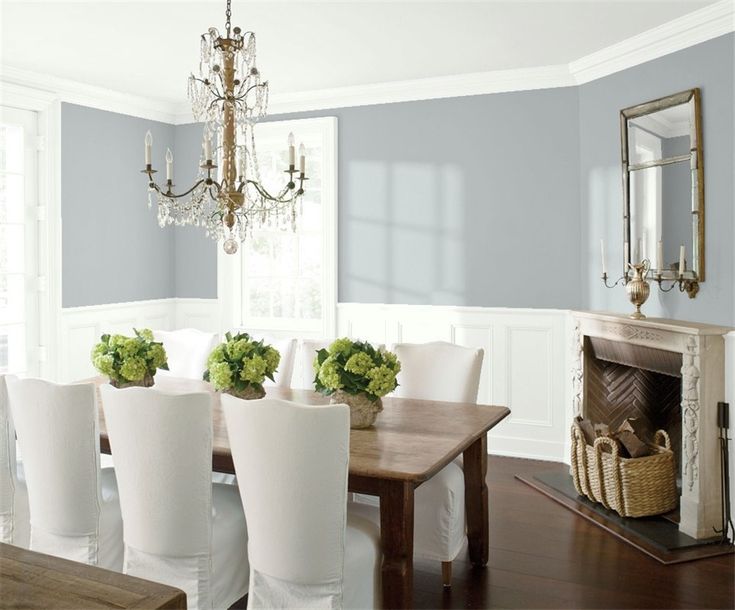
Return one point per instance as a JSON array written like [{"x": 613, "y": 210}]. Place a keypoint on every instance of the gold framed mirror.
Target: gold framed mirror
[{"x": 663, "y": 187}]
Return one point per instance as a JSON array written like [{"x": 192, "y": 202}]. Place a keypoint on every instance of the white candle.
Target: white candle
[
  {"x": 660, "y": 255},
  {"x": 148, "y": 147},
  {"x": 602, "y": 252},
  {"x": 626, "y": 252},
  {"x": 302, "y": 158},
  {"x": 291, "y": 150},
  {"x": 207, "y": 148},
  {"x": 682, "y": 261},
  {"x": 644, "y": 248},
  {"x": 637, "y": 253},
  {"x": 169, "y": 165}
]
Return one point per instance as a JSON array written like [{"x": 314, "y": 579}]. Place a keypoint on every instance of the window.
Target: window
[
  {"x": 19, "y": 318},
  {"x": 286, "y": 281}
]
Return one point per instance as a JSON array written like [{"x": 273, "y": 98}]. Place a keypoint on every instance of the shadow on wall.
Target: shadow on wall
[{"x": 410, "y": 219}]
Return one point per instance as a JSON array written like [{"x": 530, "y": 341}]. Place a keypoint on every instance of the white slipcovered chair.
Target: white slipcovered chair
[
  {"x": 451, "y": 373},
  {"x": 180, "y": 528},
  {"x": 305, "y": 550},
  {"x": 14, "y": 514},
  {"x": 187, "y": 351},
  {"x": 74, "y": 507},
  {"x": 307, "y": 353}
]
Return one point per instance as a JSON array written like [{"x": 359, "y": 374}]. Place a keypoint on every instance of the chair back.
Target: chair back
[
  {"x": 162, "y": 445},
  {"x": 58, "y": 435},
  {"x": 187, "y": 351},
  {"x": 307, "y": 353},
  {"x": 291, "y": 462},
  {"x": 7, "y": 467},
  {"x": 438, "y": 371}
]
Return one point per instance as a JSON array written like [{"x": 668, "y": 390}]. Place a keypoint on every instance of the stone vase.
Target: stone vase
[
  {"x": 146, "y": 382},
  {"x": 363, "y": 411},
  {"x": 250, "y": 392}
]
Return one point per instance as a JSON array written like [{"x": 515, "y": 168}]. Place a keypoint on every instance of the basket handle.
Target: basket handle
[
  {"x": 600, "y": 442},
  {"x": 662, "y": 434},
  {"x": 579, "y": 474}
]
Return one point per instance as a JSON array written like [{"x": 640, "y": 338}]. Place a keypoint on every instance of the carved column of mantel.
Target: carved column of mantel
[{"x": 703, "y": 384}]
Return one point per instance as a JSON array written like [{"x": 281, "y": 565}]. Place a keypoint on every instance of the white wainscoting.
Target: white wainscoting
[
  {"x": 526, "y": 363},
  {"x": 81, "y": 327}
]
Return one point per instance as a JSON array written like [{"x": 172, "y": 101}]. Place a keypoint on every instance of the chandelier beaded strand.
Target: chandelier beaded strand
[{"x": 229, "y": 97}]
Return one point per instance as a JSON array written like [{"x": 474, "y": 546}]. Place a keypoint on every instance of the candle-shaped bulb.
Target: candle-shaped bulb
[
  {"x": 148, "y": 147},
  {"x": 682, "y": 260},
  {"x": 169, "y": 164},
  {"x": 302, "y": 158},
  {"x": 207, "y": 148},
  {"x": 602, "y": 253},
  {"x": 291, "y": 150}
]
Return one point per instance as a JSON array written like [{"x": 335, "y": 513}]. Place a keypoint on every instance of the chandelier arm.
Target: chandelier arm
[
  {"x": 171, "y": 195},
  {"x": 264, "y": 193},
  {"x": 242, "y": 96}
]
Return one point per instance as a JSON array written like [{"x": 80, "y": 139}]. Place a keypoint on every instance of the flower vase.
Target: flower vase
[
  {"x": 146, "y": 382},
  {"x": 250, "y": 392},
  {"x": 363, "y": 411}
]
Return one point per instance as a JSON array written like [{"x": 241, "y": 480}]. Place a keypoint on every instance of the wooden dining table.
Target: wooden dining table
[{"x": 410, "y": 442}]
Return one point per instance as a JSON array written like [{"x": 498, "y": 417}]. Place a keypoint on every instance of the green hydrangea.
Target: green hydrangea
[
  {"x": 133, "y": 369},
  {"x": 340, "y": 346},
  {"x": 253, "y": 370},
  {"x": 359, "y": 363},
  {"x": 329, "y": 374},
  {"x": 217, "y": 355},
  {"x": 272, "y": 359},
  {"x": 391, "y": 360},
  {"x": 382, "y": 380},
  {"x": 104, "y": 363},
  {"x": 220, "y": 375},
  {"x": 157, "y": 355},
  {"x": 237, "y": 349},
  {"x": 145, "y": 333}
]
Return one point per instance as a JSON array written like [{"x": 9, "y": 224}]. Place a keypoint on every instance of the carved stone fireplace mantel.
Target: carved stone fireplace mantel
[{"x": 702, "y": 351}]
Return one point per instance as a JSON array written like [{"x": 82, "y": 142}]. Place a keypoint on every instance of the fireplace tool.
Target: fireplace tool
[{"x": 723, "y": 423}]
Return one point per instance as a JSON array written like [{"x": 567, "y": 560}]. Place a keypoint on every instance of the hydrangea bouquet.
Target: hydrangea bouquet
[
  {"x": 129, "y": 361},
  {"x": 240, "y": 365},
  {"x": 356, "y": 373}
]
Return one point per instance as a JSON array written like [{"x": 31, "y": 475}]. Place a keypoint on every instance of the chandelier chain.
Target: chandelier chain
[{"x": 228, "y": 16}]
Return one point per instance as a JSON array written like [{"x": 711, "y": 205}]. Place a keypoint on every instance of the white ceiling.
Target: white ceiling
[{"x": 149, "y": 48}]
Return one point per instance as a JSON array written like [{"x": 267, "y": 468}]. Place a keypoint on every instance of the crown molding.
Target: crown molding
[
  {"x": 686, "y": 31},
  {"x": 74, "y": 92},
  {"x": 691, "y": 29}
]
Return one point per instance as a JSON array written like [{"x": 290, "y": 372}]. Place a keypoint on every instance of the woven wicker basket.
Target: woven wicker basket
[{"x": 632, "y": 487}]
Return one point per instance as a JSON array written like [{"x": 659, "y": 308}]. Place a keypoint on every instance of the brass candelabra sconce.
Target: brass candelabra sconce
[{"x": 635, "y": 280}]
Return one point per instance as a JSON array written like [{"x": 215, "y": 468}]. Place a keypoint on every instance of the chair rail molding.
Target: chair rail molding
[{"x": 525, "y": 365}]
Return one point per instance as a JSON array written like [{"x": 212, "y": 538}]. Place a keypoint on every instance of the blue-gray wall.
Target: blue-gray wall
[
  {"x": 494, "y": 200},
  {"x": 711, "y": 67},
  {"x": 112, "y": 249}
]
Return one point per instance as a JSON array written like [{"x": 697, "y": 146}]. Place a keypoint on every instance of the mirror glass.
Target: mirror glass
[{"x": 664, "y": 204}]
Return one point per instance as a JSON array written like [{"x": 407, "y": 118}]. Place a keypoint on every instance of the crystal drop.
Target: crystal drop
[{"x": 230, "y": 245}]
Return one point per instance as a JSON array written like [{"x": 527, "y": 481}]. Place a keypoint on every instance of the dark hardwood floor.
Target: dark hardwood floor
[{"x": 544, "y": 556}]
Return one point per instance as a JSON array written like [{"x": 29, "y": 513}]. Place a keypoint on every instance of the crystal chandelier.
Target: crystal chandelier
[{"x": 229, "y": 97}]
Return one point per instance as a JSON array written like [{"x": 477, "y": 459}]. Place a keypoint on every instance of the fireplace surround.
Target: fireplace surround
[{"x": 671, "y": 373}]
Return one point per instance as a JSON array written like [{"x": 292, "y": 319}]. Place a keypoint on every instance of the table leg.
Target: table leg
[
  {"x": 396, "y": 533},
  {"x": 475, "y": 496}
]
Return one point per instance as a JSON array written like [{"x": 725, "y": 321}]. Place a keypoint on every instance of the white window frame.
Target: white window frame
[
  {"x": 229, "y": 267},
  {"x": 47, "y": 105}
]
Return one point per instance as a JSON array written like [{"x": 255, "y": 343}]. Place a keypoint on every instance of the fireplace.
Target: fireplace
[{"x": 669, "y": 373}]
